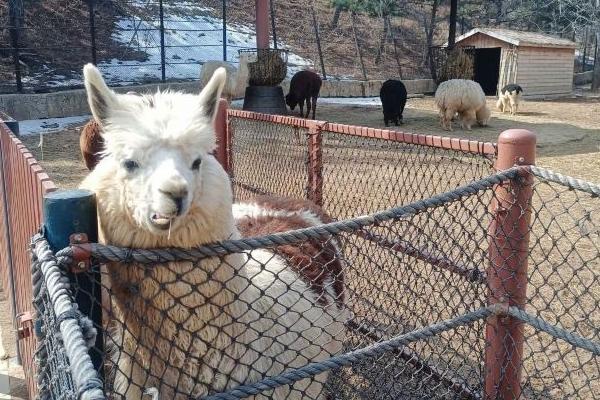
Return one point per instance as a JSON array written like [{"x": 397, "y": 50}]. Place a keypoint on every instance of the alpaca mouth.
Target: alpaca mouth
[{"x": 161, "y": 221}]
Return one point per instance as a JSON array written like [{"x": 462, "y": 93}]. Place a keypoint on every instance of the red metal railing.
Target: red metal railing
[
  {"x": 23, "y": 184},
  {"x": 504, "y": 335}
]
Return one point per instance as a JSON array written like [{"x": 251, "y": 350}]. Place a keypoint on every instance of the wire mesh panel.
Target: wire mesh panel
[
  {"x": 397, "y": 304},
  {"x": 362, "y": 174},
  {"x": 268, "y": 159},
  {"x": 564, "y": 282}
]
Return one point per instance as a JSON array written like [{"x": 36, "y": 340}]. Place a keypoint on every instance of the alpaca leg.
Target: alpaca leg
[
  {"x": 301, "y": 105},
  {"x": 314, "y": 106},
  {"x": 467, "y": 119},
  {"x": 448, "y": 119},
  {"x": 307, "y": 107}
]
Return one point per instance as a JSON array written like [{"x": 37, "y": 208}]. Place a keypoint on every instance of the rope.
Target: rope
[
  {"x": 555, "y": 331},
  {"x": 58, "y": 290},
  {"x": 105, "y": 253},
  {"x": 344, "y": 360},
  {"x": 567, "y": 181}
]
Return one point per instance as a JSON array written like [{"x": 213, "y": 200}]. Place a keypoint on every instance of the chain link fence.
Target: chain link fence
[
  {"x": 44, "y": 43},
  {"x": 402, "y": 326}
]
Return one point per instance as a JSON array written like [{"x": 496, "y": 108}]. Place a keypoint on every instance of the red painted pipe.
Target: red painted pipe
[
  {"x": 507, "y": 271},
  {"x": 262, "y": 24}
]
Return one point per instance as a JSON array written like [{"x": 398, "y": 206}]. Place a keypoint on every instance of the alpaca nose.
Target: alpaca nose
[{"x": 177, "y": 195}]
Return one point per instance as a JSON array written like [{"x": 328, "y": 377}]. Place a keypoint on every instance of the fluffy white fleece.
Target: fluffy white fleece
[
  {"x": 192, "y": 328},
  {"x": 464, "y": 97}
]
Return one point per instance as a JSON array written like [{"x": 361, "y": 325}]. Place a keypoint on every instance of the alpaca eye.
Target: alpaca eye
[
  {"x": 130, "y": 165},
  {"x": 196, "y": 164}
]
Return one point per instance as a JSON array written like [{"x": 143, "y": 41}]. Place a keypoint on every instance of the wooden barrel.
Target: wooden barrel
[{"x": 265, "y": 99}]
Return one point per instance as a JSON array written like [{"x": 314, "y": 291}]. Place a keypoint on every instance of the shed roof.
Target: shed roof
[{"x": 520, "y": 38}]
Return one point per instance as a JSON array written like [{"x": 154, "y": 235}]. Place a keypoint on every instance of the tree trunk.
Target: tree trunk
[
  {"x": 396, "y": 55},
  {"x": 336, "y": 17},
  {"x": 585, "y": 46},
  {"x": 358, "y": 51},
  {"x": 430, "y": 32},
  {"x": 452, "y": 27},
  {"x": 596, "y": 76},
  {"x": 382, "y": 42}
]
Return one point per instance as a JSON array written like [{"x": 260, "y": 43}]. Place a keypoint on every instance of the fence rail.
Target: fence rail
[{"x": 23, "y": 186}]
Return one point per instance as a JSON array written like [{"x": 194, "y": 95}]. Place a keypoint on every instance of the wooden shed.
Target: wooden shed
[{"x": 542, "y": 64}]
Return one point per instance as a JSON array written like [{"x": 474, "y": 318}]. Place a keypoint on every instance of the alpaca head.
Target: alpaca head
[
  {"x": 158, "y": 170},
  {"x": 483, "y": 116}
]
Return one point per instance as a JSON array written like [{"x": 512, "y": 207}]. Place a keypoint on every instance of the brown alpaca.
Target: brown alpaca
[{"x": 91, "y": 144}]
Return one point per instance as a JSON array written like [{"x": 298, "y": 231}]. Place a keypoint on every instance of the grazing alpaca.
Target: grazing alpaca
[
  {"x": 304, "y": 86},
  {"x": 237, "y": 78},
  {"x": 509, "y": 98},
  {"x": 393, "y": 99},
  {"x": 464, "y": 97},
  {"x": 189, "y": 329}
]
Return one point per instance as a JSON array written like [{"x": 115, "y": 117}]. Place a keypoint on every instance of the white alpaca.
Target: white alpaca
[
  {"x": 237, "y": 78},
  {"x": 188, "y": 329},
  {"x": 464, "y": 97}
]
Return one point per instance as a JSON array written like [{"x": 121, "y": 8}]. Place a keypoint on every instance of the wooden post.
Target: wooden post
[
  {"x": 357, "y": 44},
  {"x": 67, "y": 212},
  {"x": 262, "y": 24},
  {"x": 507, "y": 270},
  {"x": 221, "y": 133},
  {"x": 315, "y": 160}
]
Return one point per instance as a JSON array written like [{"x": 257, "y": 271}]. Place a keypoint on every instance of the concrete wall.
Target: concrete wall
[{"x": 73, "y": 102}]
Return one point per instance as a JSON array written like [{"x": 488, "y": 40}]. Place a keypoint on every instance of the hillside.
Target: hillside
[{"x": 55, "y": 40}]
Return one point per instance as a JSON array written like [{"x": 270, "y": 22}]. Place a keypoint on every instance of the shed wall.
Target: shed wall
[
  {"x": 545, "y": 71},
  {"x": 483, "y": 41}
]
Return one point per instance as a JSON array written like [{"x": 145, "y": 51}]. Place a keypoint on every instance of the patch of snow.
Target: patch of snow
[
  {"x": 49, "y": 125},
  {"x": 190, "y": 40},
  {"x": 359, "y": 101}
]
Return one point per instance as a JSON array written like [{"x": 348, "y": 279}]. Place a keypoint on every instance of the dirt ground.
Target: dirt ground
[{"x": 568, "y": 133}]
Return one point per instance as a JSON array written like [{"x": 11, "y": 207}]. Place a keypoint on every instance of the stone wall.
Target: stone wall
[{"x": 73, "y": 102}]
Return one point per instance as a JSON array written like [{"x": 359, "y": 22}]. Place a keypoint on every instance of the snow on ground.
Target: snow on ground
[
  {"x": 190, "y": 40},
  {"x": 49, "y": 125},
  {"x": 192, "y": 37}
]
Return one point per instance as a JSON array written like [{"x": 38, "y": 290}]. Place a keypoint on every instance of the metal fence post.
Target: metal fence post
[
  {"x": 224, "y": 30},
  {"x": 318, "y": 39},
  {"x": 67, "y": 212},
  {"x": 314, "y": 190},
  {"x": 92, "y": 12},
  {"x": 161, "y": 16},
  {"x": 507, "y": 270},
  {"x": 273, "y": 24},
  {"x": 15, "y": 11},
  {"x": 221, "y": 133}
]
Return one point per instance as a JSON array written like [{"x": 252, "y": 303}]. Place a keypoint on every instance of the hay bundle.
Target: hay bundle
[
  {"x": 269, "y": 67},
  {"x": 458, "y": 64}
]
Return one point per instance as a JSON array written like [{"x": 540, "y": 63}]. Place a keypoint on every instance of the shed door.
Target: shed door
[{"x": 487, "y": 69}]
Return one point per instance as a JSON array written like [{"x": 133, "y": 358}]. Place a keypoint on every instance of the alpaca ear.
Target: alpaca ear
[
  {"x": 210, "y": 95},
  {"x": 100, "y": 98}
]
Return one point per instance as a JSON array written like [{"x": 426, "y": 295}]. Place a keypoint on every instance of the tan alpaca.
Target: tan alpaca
[
  {"x": 187, "y": 328},
  {"x": 464, "y": 97}
]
